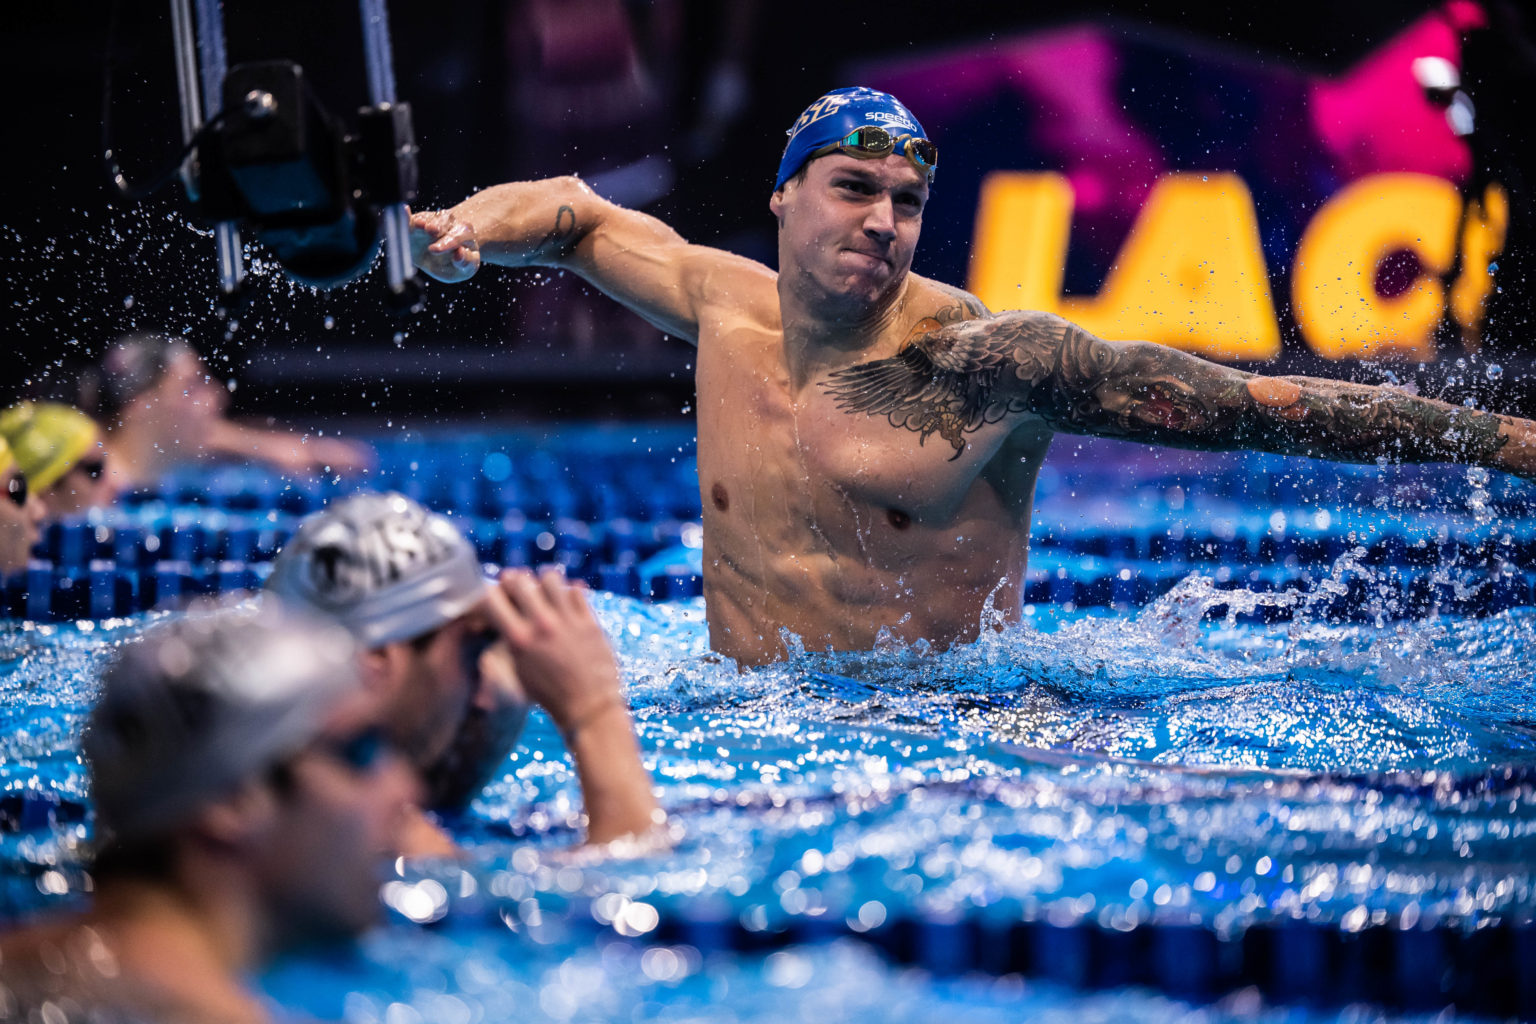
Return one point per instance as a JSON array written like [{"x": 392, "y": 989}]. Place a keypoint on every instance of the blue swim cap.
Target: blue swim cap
[{"x": 834, "y": 115}]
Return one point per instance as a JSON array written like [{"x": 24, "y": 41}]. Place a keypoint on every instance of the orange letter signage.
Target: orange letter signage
[
  {"x": 1367, "y": 282},
  {"x": 1191, "y": 274},
  {"x": 1334, "y": 287}
]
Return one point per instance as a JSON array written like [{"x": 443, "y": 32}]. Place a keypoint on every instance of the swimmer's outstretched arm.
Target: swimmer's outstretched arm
[
  {"x": 288, "y": 452},
  {"x": 1014, "y": 366},
  {"x": 560, "y": 222}
]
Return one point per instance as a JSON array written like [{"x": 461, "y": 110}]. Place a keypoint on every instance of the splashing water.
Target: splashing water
[{"x": 1182, "y": 763}]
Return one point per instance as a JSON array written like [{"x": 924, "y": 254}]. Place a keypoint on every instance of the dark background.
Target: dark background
[{"x": 677, "y": 106}]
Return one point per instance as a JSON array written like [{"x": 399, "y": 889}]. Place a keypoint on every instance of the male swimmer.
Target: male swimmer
[
  {"x": 452, "y": 656},
  {"x": 161, "y": 408},
  {"x": 827, "y": 511},
  {"x": 58, "y": 448},
  {"x": 244, "y": 806},
  {"x": 21, "y": 513}
]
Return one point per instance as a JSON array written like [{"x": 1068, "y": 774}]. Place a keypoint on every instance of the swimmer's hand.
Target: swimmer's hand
[
  {"x": 301, "y": 454},
  {"x": 289, "y": 452},
  {"x": 444, "y": 247},
  {"x": 561, "y": 653},
  {"x": 339, "y": 455}
]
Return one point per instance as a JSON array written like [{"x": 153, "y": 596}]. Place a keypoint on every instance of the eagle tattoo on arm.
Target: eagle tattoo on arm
[{"x": 952, "y": 380}]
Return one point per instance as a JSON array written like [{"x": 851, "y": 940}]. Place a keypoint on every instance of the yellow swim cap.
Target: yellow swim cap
[
  {"x": 46, "y": 439},
  {"x": 7, "y": 460}
]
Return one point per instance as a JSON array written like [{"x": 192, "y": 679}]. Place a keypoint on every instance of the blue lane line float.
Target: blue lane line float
[{"x": 619, "y": 507}]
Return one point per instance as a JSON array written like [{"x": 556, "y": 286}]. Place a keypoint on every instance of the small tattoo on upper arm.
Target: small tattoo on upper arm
[{"x": 560, "y": 237}]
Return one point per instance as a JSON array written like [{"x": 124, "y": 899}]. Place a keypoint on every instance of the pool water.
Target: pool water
[{"x": 1292, "y": 782}]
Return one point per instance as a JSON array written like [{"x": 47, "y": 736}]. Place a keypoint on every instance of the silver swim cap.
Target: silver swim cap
[
  {"x": 383, "y": 565},
  {"x": 204, "y": 703}
]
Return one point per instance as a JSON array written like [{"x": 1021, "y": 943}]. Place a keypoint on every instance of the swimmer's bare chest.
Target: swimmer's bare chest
[{"x": 833, "y": 525}]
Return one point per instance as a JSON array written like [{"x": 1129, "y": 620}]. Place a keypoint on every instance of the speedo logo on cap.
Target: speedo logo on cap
[
  {"x": 893, "y": 119},
  {"x": 359, "y": 559}
]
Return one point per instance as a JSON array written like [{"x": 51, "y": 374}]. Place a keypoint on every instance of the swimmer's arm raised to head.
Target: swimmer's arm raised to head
[
  {"x": 560, "y": 222},
  {"x": 1015, "y": 366},
  {"x": 565, "y": 664}
]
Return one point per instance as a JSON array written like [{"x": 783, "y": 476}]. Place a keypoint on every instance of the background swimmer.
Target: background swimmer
[
  {"x": 21, "y": 513},
  {"x": 162, "y": 408},
  {"x": 59, "y": 450},
  {"x": 245, "y": 802},
  {"x": 826, "y": 511},
  {"x": 456, "y": 658}
]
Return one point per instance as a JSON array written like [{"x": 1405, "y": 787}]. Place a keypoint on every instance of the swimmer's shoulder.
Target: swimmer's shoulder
[
  {"x": 731, "y": 289},
  {"x": 943, "y": 304},
  {"x": 934, "y": 305},
  {"x": 47, "y": 959}
]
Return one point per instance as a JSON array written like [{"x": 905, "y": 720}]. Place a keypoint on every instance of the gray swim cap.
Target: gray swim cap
[
  {"x": 383, "y": 565},
  {"x": 204, "y": 703}
]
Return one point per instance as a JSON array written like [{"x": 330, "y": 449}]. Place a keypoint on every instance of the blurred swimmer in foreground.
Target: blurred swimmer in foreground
[
  {"x": 58, "y": 449},
  {"x": 826, "y": 513},
  {"x": 162, "y": 408},
  {"x": 21, "y": 513},
  {"x": 456, "y": 658},
  {"x": 245, "y": 806}
]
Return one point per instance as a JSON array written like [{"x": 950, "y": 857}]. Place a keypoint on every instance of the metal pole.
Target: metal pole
[
  {"x": 210, "y": 52},
  {"x": 381, "y": 91},
  {"x": 377, "y": 52},
  {"x": 210, "y": 48},
  {"x": 186, "y": 69}
]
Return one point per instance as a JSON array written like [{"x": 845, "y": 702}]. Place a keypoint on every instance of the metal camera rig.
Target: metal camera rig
[{"x": 264, "y": 156}]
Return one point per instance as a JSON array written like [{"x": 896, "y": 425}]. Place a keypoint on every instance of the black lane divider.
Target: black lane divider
[{"x": 1489, "y": 970}]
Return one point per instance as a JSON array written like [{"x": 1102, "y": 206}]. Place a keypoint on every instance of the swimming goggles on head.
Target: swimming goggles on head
[
  {"x": 16, "y": 490},
  {"x": 873, "y": 142}
]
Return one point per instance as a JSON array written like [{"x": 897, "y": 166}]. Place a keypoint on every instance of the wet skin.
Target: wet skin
[
  {"x": 869, "y": 439},
  {"x": 430, "y": 688},
  {"x": 826, "y": 525},
  {"x": 78, "y": 491},
  {"x": 20, "y": 525},
  {"x": 268, "y": 868},
  {"x": 332, "y": 827},
  {"x": 837, "y": 526}
]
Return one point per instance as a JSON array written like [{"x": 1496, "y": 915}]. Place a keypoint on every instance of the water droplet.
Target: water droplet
[
  {"x": 1494, "y": 371},
  {"x": 330, "y": 323}
]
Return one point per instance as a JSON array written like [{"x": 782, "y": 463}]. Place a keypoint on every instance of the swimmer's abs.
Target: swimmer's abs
[{"x": 838, "y": 604}]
